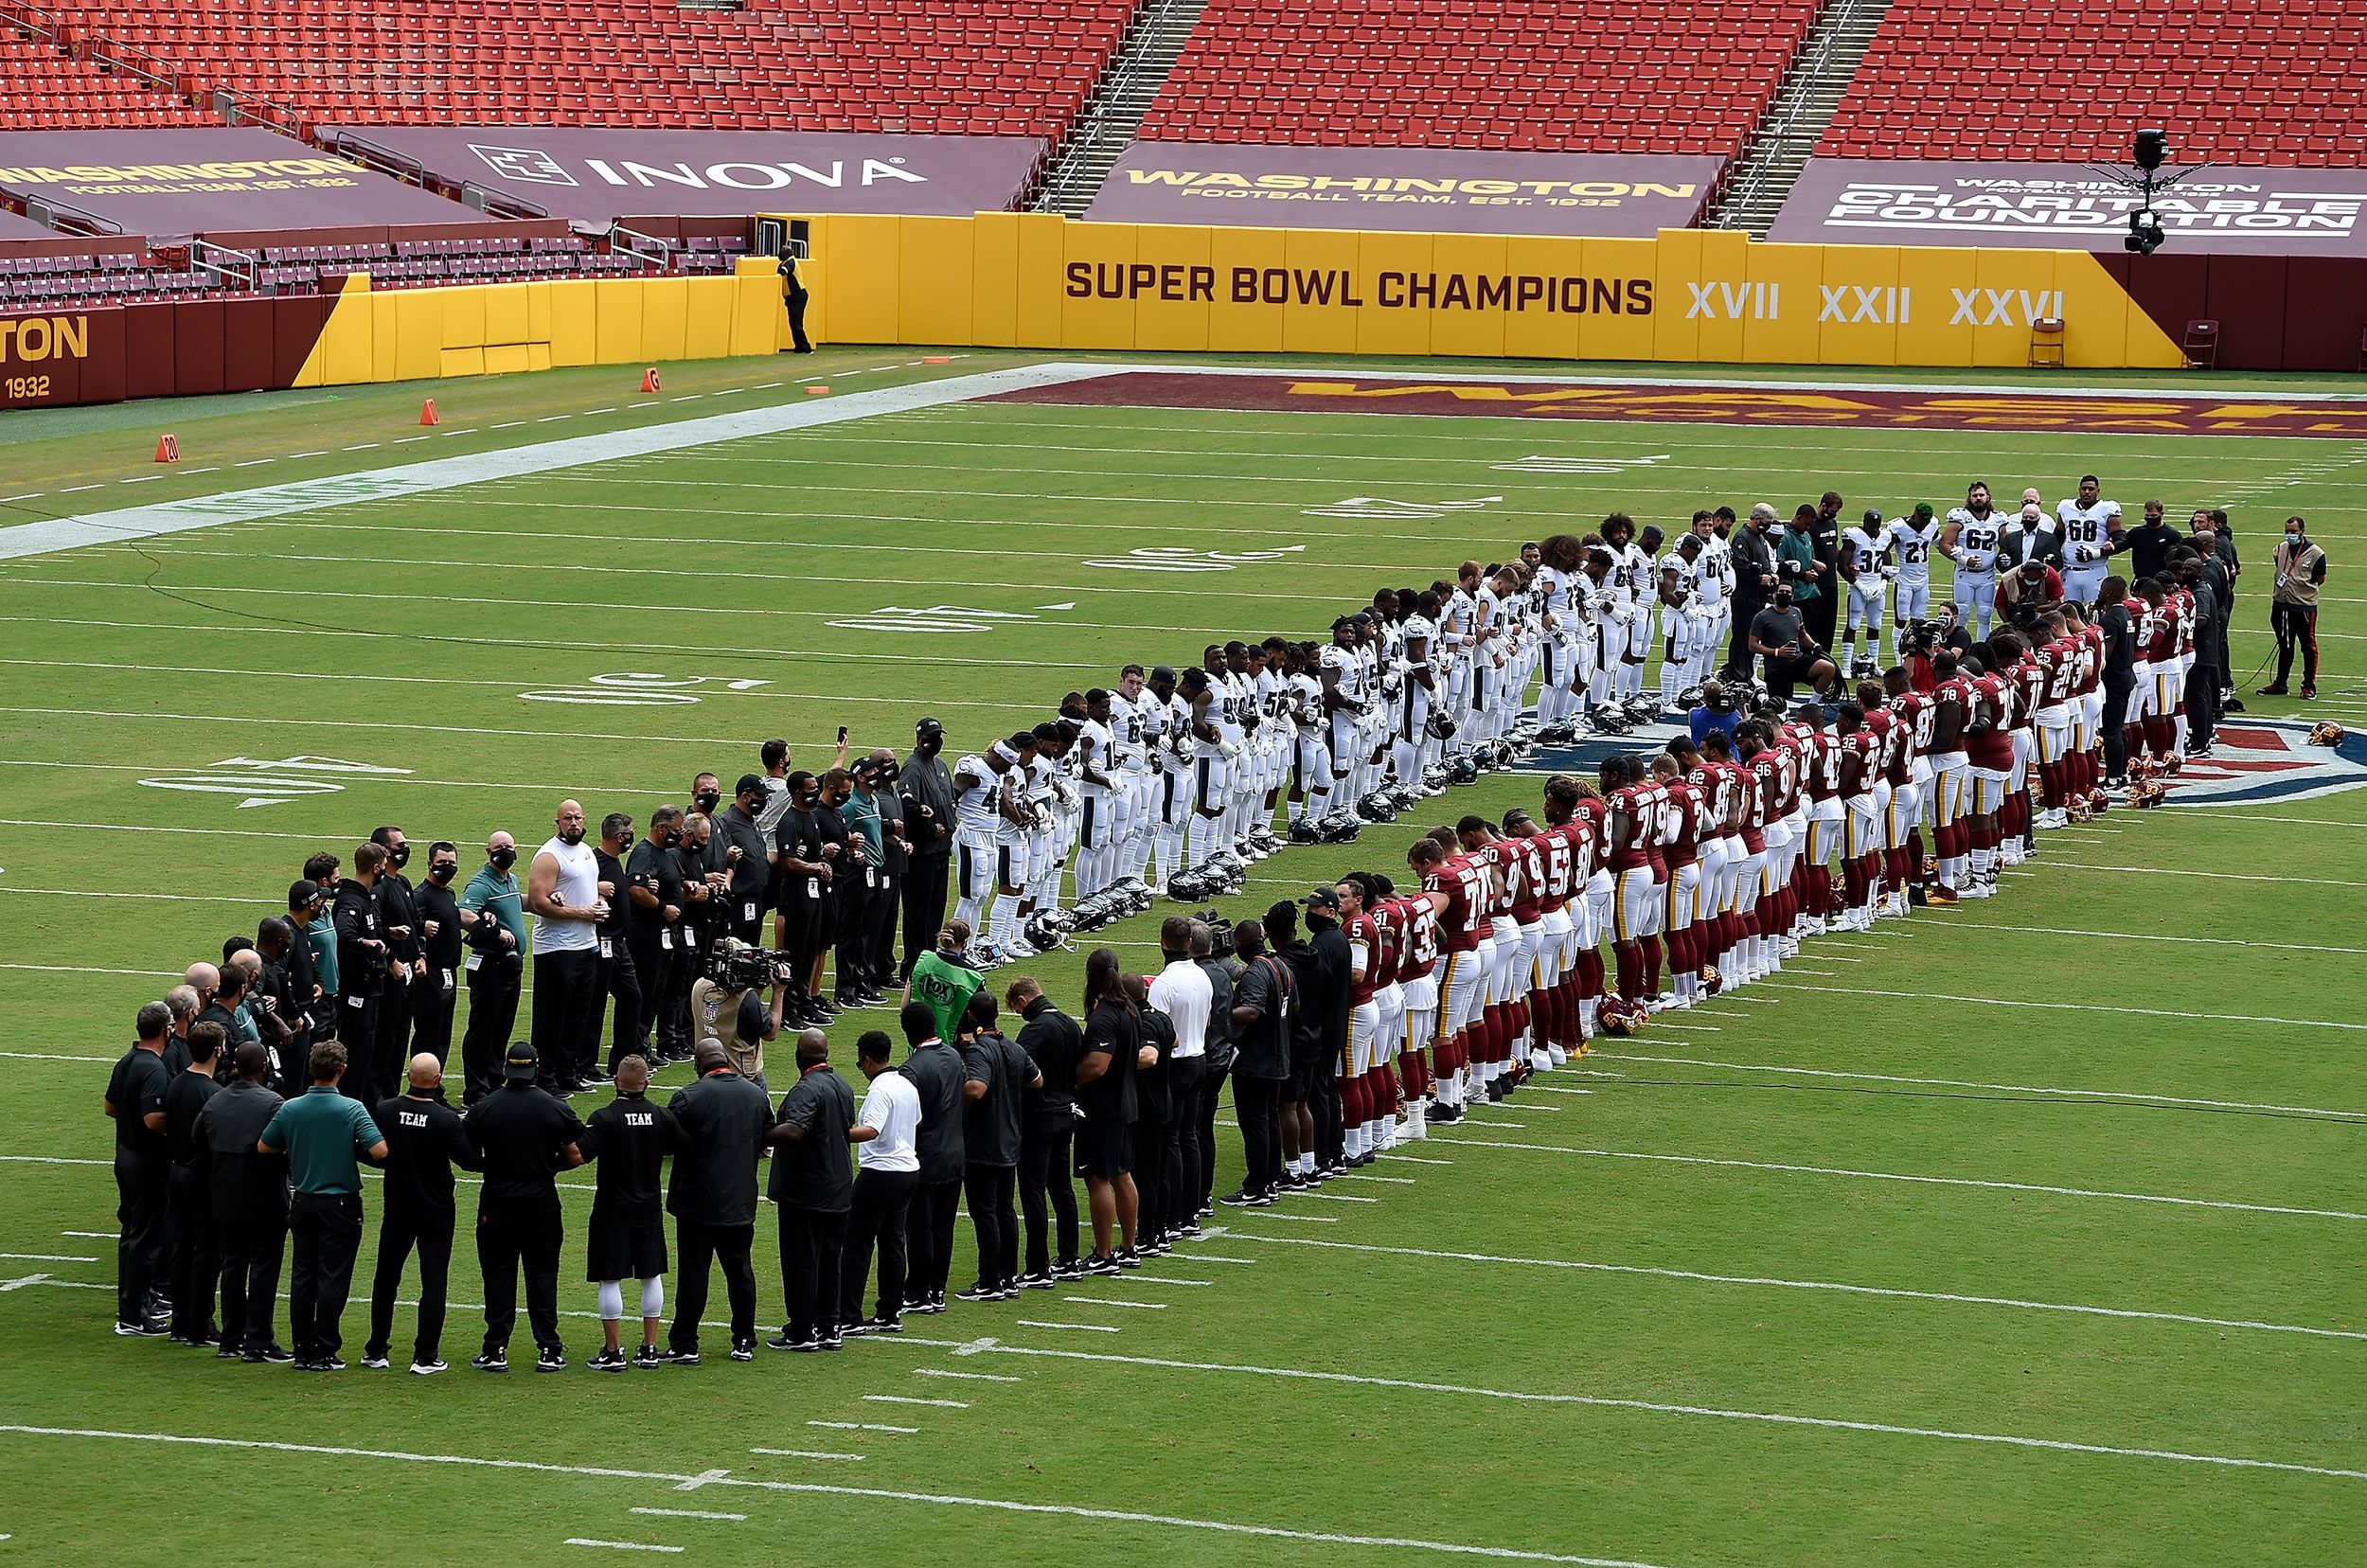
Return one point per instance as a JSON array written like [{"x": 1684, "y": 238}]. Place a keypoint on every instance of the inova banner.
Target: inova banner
[
  {"x": 1416, "y": 189},
  {"x": 599, "y": 174}
]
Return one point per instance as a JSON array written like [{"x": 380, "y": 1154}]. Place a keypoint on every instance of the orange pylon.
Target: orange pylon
[
  {"x": 168, "y": 450},
  {"x": 648, "y": 379},
  {"x": 427, "y": 413}
]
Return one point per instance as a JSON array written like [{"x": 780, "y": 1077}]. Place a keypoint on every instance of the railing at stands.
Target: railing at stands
[
  {"x": 68, "y": 218},
  {"x": 230, "y": 268},
  {"x": 377, "y": 159},
  {"x": 495, "y": 204},
  {"x": 645, "y": 248}
]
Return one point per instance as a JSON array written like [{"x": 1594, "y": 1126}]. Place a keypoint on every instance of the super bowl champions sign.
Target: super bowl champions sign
[{"x": 2259, "y": 212}]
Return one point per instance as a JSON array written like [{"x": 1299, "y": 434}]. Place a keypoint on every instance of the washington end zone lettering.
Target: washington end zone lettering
[
  {"x": 36, "y": 340},
  {"x": 1392, "y": 291}
]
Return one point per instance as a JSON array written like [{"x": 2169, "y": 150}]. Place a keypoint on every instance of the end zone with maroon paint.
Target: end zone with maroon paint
[{"x": 1713, "y": 402}]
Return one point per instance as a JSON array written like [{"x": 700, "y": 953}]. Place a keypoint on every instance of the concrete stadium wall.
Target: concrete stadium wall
[{"x": 107, "y": 354}]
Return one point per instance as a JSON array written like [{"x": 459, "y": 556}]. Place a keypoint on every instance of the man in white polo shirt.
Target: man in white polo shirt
[
  {"x": 1183, "y": 992},
  {"x": 884, "y": 1135},
  {"x": 563, "y": 896}
]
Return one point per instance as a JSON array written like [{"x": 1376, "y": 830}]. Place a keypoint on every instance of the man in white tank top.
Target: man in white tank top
[{"x": 563, "y": 896}]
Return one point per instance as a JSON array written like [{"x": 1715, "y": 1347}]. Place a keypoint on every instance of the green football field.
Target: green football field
[{"x": 2030, "y": 1231}]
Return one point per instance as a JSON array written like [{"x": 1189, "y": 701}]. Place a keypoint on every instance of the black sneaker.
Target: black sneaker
[
  {"x": 1243, "y": 1198},
  {"x": 331, "y": 1364},
  {"x": 1099, "y": 1264},
  {"x": 828, "y": 1342},
  {"x": 607, "y": 1361},
  {"x": 680, "y": 1357},
  {"x": 428, "y": 1368},
  {"x": 1130, "y": 1258},
  {"x": 1188, "y": 1230},
  {"x": 1040, "y": 1279},
  {"x": 228, "y": 1352},
  {"x": 375, "y": 1360},
  {"x": 980, "y": 1291},
  {"x": 649, "y": 1355},
  {"x": 1261, "y": 1200},
  {"x": 1205, "y": 1211},
  {"x": 145, "y": 1329},
  {"x": 1069, "y": 1268},
  {"x": 491, "y": 1361},
  {"x": 879, "y": 1324},
  {"x": 782, "y": 1340},
  {"x": 278, "y": 1355},
  {"x": 743, "y": 1350},
  {"x": 548, "y": 1360}
]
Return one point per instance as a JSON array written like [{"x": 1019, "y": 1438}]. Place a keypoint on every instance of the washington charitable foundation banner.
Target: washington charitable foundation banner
[
  {"x": 597, "y": 174},
  {"x": 1443, "y": 190},
  {"x": 2069, "y": 207}
]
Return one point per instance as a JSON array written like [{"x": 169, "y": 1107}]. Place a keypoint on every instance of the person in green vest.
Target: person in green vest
[{"x": 943, "y": 980}]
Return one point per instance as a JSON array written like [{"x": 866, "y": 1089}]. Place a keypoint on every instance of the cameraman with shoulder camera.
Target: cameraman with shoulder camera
[
  {"x": 1718, "y": 713},
  {"x": 727, "y": 1004}
]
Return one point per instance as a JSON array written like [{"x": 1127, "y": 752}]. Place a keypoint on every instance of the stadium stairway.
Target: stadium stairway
[
  {"x": 1811, "y": 94},
  {"x": 1119, "y": 101}
]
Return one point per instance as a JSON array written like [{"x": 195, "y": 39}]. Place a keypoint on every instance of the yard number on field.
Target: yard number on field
[
  {"x": 1178, "y": 558},
  {"x": 262, "y": 781},
  {"x": 1543, "y": 464},
  {"x": 937, "y": 617},
  {"x": 1357, "y": 508},
  {"x": 639, "y": 689}
]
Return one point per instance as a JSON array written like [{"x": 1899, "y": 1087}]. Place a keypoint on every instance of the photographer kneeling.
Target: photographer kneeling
[{"x": 728, "y": 1004}]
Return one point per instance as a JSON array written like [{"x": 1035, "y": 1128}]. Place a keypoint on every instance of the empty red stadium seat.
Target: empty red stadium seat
[
  {"x": 2238, "y": 82},
  {"x": 1689, "y": 75}
]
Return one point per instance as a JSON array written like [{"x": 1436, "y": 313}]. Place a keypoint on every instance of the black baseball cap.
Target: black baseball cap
[
  {"x": 303, "y": 891},
  {"x": 1323, "y": 897},
  {"x": 928, "y": 726},
  {"x": 522, "y": 1064}
]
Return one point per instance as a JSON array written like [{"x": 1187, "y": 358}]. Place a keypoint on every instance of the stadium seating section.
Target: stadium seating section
[
  {"x": 41, "y": 88},
  {"x": 38, "y": 281},
  {"x": 2252, "y": 82},
  {"x": 1615, "y": 75},
  {"x": 1010, "y": 67}
]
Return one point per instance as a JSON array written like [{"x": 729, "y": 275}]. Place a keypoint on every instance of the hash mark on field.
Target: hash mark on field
[
  {"x": 1415, "y": 1159},
  {"x": 1340, "y": 1198},
  {"x": 29, "y": 495},
  {"x": 804, "y": 1454},
  {"x": 47, "y": 1257},
  {"x": 549, "y": 418},
  {"x": 689, "y": 1513},
  {"x": 72, "y": 489},
  {"x": 651, "y": 404},
  {"x": 95, "y": 1235},
  {"x": 970, "y": 1377},
  {"x": 1081, "y": 1327},
  {"x": 1196, "y": 1257},
  {"x": 366, "y": 446},
  {"x": 1136, "y": 1278},
  {"x": 864, "y": 1426},
  {"x": 620, "y": 1545},
  {"x": 1302, "y": 1218},
  {"x": 1392, "y": 1181},
  {"x": 140, "y": 479},
  {"x": 293, "y": 455},
  {"x": 767, "y": 386},
  {"x": 507, "y": 425},
  {"x": 907, "y": 1399},
  {"x": 254, "y": 462},
  {"x": 1075, "y": 1301}
]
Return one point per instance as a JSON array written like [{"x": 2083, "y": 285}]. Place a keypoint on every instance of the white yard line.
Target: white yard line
[
  {"x": 1835, "y": 1287},
  {"x": 2116, "y": 1008},
  {"x": 909, "y": 1399},
  {"x": 602, "y": 1472},
  {"x": 971, "y": 1377},
  {"x": 689, "y": 1513},
  {"x": 57, "y": 1258},
  {"x": 864, "y": 1425},
  {"x": 1066, "y": 1301},
  {"x": 445, "y": 474},
  {"x": 805, "y": 1454},
  {"x": 1080, "y": 1328},
  {"x": 1971, "y": 1083},
  {"x": 1896, "y": 1176},
  {"x": 620, "y": 1545}
]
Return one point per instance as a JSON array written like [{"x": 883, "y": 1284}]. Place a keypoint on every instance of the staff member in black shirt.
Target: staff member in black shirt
[
  {"x": 630, "y": 1138},
  {"x": 937, "y": 1073},
  {"x": 1262, "y": 1012},
  {"x": 1328, "y": 1002},
  {"x": 1051, "y": 1041},
  {"x": 1221, "y": 974},
  {"x": 813, "y": 1186},
  {"x": 249, "y": 1192},
  {"x": 653, "y": 884},
  {"x": 925, "y": 788},
  {"x": 725, "y": 1120},
  {"x": 315, "y": 1006},
  {"x": 896, "y": 845},
  {"x": 424, "y": 1140},
  {"x": 805, "y": 890},
  {"x": 2120, "y": 675},
  {"x": 747, "y": 861},
  {"x": 1105, "y": 1061},
  {"x": 397, "y": 914},
  {"x": 997, "y": 1077},
  {"x": 701, "y": 922},
  {"x": 525, "y": 1134},
  {"x": 362, "y": 959},
  {"x": 619, "y": 978},
  {"x": 136, "y": 1103},
  {"x": 435, "y": 982},
  {"x": 1158, "y": 1167},
  {"x": 196, "y": 1268}
]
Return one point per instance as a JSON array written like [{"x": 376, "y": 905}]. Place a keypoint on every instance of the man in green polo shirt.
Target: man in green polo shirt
[
  {"x": 944, "y": 979},
  {"x": 492, "y": 914},
  {"x": 326, "y": 1136}
]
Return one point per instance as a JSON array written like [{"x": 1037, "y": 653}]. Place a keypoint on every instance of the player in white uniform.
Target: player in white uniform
[
  {"x": 1100, "y": 784},
  {"x": 1171, "y": 748},
  {"x": 1310, "y": 770},
  {"x": 1717, "y": 573},
  {"x": 981, "y": 784},
  {"x": 1134, "y": 727},
  {"x": 1414, "y": 747},
  {"x": 2087, "y": 522},
  {"x": 1683, "y": 617},
  {"x": 1911, "y": 540},
  {"x": 1863, "y": 551},
  {"x": 1640, "y": 582},
  {"x": 1971, "y": 539}
]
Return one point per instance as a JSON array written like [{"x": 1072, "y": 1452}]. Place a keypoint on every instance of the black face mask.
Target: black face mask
[
  {"x": 624, "y": 841},
  {"x": 930, "y": 745},
  {"x": 443, "y": 871},
  {"x": 400, "y": 856},
  {"x": 501, "y": 860},
  {"x": 707, "y": 802}
]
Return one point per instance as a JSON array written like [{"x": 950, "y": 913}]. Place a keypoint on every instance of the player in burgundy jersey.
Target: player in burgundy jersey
[
  {"x": 1501, "y": 1067},
  {"x": 1520, "y": 841},
  {"x": 1726, "y": 859},
  {"x": 1448, "y": 889},
  {"x": 1820, "y": 776},
  {"x": 1860, "y": 750},
  {"x": 1358, "y": 1115},
  {"x": 1689, "y": 811},
  {"x": 1952, "y": 703},
  {"x": 1989, "y": 750},
  {"x": 1594, "y": 812},
  {"x": 1638, "y": 898},
  {"x": 1395, "y": 924},
  {"x": 1755, "y": 954},
  {"x": 1911, "y": 785}
]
